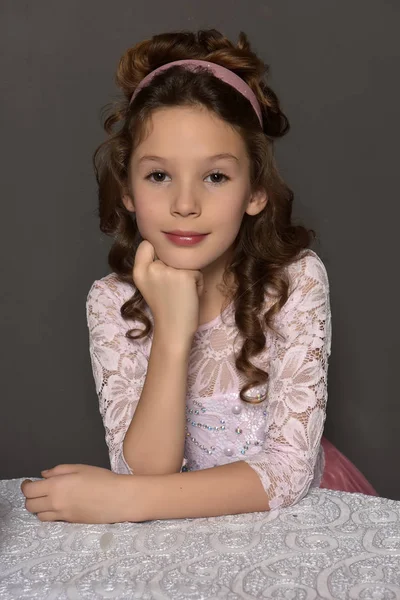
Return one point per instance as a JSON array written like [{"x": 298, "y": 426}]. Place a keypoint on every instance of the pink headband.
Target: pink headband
[{"x": 221, "y": 72}]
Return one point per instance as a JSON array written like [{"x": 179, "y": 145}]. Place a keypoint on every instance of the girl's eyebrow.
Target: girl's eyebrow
[{"x": 225, "y": 155}]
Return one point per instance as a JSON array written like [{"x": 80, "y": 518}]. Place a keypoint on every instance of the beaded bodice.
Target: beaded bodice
[{"x": 279, "y": 437}]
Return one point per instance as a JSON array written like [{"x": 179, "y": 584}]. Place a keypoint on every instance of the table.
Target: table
[{"x": 330, "y": 545}]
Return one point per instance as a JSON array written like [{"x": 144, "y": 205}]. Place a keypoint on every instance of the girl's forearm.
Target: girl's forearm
[
  {"x": 234, "y": 488},
  {"x": 154, "y": 442}
]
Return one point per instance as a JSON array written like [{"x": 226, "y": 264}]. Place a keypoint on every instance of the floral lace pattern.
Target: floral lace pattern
[{"x": 279, "y": 437}]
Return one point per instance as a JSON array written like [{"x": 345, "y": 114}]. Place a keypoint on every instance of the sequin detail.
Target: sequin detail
[{"x": 204, "y": 426}]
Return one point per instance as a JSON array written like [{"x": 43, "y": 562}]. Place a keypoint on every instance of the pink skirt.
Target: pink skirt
[{"x": 340, "y": 473}]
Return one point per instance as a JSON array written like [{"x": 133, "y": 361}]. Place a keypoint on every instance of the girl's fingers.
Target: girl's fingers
[
  {"x": 48, "y": 516},
  {"x": 37, "y": 505},
  {"x": 145, "y": 254},
  {"x": 33, "y": 489},
  {"x": 62, "y": 470}
]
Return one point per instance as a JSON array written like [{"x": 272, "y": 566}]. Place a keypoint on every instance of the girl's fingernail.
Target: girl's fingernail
[{"x": 46, "y": 471}]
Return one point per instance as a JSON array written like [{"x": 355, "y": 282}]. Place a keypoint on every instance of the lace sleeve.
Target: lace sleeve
[
  {"x": 296, "y": 408},
  {"x": 119, "y": 367}
]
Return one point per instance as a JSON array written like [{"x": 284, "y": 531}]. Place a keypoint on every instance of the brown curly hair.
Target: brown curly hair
[{"x": 267, "y": 242}]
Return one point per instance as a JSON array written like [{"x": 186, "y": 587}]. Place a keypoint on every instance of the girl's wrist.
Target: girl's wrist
[
  {"x": 130, "y": 496},
  {"x": 172, "y": 343}
]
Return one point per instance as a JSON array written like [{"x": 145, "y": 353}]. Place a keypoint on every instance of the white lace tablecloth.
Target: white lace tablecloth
[{"x": 330, "y": 545}]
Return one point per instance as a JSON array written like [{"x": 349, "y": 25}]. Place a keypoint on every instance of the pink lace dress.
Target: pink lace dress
[{"x": 280, "y": 438}]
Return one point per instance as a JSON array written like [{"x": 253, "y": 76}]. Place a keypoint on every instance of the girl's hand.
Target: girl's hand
[
  {"x": 172, "y": 294},
  {"x": 78, "y": 494}
]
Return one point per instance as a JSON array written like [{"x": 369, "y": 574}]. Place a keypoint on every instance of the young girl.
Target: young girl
[{"x": 210, "y": 339}]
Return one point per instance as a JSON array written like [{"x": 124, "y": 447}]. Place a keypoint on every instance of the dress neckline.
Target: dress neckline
[{"x": 216, "y": 319}]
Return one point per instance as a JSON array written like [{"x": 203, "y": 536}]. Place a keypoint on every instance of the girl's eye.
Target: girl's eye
[
  {"x": 218, "y": 173},
  {"x": 154, "y": 173}
]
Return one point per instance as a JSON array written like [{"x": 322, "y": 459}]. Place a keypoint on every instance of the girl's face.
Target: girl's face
[{"x": 184, "y": 186}]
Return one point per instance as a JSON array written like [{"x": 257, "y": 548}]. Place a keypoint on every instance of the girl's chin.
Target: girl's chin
[{"x": 188, "y": 265}]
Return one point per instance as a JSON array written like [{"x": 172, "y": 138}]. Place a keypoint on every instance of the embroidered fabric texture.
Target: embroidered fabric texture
[
  {"x": 279, "y": 438},
  {"x": 331, "y": 545}
]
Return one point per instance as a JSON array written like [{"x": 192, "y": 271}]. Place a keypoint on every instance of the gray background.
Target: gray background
[{"x": 335, "y": 67}]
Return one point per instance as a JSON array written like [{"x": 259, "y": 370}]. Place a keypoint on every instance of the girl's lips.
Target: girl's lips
[
  {"x": 183, "y": 233},
  {"x": 189, "y": 240}
]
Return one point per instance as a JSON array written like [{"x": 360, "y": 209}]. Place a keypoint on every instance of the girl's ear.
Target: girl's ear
[
  {"x": 127, "y": 199},
  {"x": 257, "y": 202}
]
